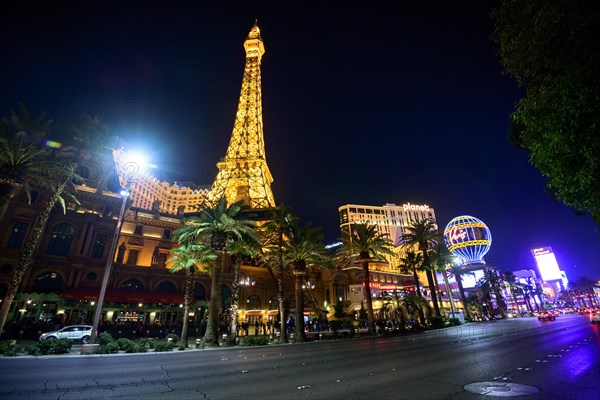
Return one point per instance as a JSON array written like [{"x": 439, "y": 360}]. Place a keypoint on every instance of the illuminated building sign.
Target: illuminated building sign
[
  {"x": 546, "y": 263},
  {"x": 413, "y": 207}
]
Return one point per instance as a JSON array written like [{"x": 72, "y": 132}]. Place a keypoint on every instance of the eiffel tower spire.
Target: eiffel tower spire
[{"x": 243, "y": 173}]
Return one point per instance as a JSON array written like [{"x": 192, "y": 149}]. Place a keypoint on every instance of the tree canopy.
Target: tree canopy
[{"x": 550, "y": 48}]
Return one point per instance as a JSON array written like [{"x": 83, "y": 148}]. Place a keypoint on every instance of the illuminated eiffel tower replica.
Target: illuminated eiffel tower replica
[{"x": 243, "y": 173}]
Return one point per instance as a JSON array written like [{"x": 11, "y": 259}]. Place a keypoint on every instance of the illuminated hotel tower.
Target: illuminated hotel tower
[{"x": 243, "y": 173}]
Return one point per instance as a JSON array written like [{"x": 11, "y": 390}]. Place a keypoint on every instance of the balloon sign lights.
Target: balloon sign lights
[{"x": 468, "y": 238}]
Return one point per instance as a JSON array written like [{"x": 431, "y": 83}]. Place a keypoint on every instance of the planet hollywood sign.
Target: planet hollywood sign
[{"x": 414, "y": 207}]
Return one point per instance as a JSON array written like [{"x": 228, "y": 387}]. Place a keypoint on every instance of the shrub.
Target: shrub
[
  {"x": 143, "y": 342},
  {"x": 32, "y": 350},
  {"x": 108, "y": 348},
  {"x": 163, "y": 346},
  {"x": 181, "y": 347},
  {"x": 256, "y": 340},
  {"x": 11, "y": 352},
  {"x": 454, "y": 321},
  {"x": 126, "y": 345},
  {"x": 105, "y": 338},
  {"x": 4, "y": 347},
  {"x": 54, "y": 346},
  {"x": 141, "y": 348},
  {"x": 174, "y": 338},
  {"x": 436, "y": 322}
]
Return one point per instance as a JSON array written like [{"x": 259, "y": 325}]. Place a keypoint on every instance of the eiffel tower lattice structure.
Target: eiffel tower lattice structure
[{"x": 243, "y": 173}]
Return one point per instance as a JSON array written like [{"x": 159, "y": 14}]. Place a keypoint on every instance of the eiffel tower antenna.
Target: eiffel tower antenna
[{"x": 243, "y": 173}]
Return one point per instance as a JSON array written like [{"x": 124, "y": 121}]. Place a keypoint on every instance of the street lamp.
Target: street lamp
[{"x": 139, "y": 163}]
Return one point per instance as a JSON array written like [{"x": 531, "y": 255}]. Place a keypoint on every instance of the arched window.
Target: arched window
[
  {"x": 133, "y": 285},
  {"x": 253, "y": 303},
  {"x": 226, "y": 296},
  {"x": 60, "y": 241},
  {"x": 47, "y": 282},
  {"x": 274, "y": 303},
  {"x": 199, "y": 292},
  {"x": 166, "y": 287}
]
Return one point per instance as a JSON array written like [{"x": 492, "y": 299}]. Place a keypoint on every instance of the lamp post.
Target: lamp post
[
  {"x": 138, "y": 163},
  {"x": 90, "y": 348}
]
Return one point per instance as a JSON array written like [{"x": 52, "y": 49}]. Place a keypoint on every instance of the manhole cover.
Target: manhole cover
[{"x": 500, "y": 389}]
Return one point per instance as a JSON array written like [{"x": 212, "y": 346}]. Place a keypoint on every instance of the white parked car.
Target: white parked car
[
  {"x": 73, "y": 332},
  {"x": 595, "y": 317}
]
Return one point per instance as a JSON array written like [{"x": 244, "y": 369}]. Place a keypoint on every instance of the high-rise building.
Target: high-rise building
[
  {"x": 390, "y": 219},
  {"x": 243, "y": 173}
]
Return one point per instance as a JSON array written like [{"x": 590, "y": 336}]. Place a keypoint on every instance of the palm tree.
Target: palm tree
[
  {"x": 190, "y": 258},
  {"x": 510, "y": 280},
  {"x": 238, "y": 248},
  {"x": 277, "y": 231},
  {"x": 303, "y": 249},
  {"x": 24, "y": 159},
  {"x": 492, "y": 283},
  {"x": 60, "y": 181},
  {"x": 423, "y": 235},
  {"x": 411, "y": 307},
  {"x": 457, "y": 273},
  {"x": 411, "y": 263},
  {"x": 366, "y": 243},
  {"x": 217, "y": 225}
]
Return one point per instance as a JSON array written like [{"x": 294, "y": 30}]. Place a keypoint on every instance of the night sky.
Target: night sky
[{"x": 360, "y": 105}]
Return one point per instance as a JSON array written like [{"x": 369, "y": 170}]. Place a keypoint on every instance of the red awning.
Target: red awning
[
  {"x": 254, "y": 313},
  {"x": 273, "y": 313},
  {"x": 123, "y": 295}
]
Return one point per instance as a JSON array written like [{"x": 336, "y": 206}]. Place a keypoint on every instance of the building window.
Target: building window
[
  {"x": 132, "y": 284},
  {"x": 133, "y": 256},
  {"x": 138, "y": 229},
  {"x": 60, "y": 241},
  {"x": 99, "y": 244},
  {"x": 166, "y": 287},
  {"x": 253, "y": 303},
  {"x": 91, "y": 276},
  {"x": 167, "y": 234},
  {"x": 48, "y": 282},
  {"x": 199, "y": 292},
  {"x": 18, "y": 235}
]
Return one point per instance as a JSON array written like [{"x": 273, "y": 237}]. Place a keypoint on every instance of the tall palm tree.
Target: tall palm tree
[
  {"x": 79, "y": 141},
  {"x": 411, "y": 263},
  {"x": 277, "y": 231},
  {"x": 238, "y": 249},
  {"x": 363, "y": 244},
  {"x": 217, "y": 225},
  {"x": 24, "y": 158},
  {"x": 304, "y": 249},
  {"x": 510, "y": 280},
  {"x": 423, "y": 235},
  {"x": 490, "y": 284},
  {"x": 458, "y": 273},
  {"x": 191, "y": 258}
]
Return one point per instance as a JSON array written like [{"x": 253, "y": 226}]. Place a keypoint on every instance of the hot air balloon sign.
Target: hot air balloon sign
[{"x": 468, "y": 238}]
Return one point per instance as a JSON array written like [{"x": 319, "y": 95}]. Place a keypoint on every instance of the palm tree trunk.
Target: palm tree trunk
[
  {"x": 282, "y": 327},
  {"x": 235, "y": 302},
  {"x": 417, "y": 285},
  {"x": 187, "y": 299},
  {"x": 28, "y": 252},
  {"x": 439, "y": 292},
  {"x": 368, "y": 297},
  {"x": 514, "y": 298},
  {"x": 463, "y": 299},
  {"x": 299, "y": 327},
  {"x": 211, "y": 337},
  {"x": 430, "y": 281}
]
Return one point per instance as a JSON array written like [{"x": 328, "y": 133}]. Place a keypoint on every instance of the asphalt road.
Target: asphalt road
[{"x": 555, "y": 359}]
